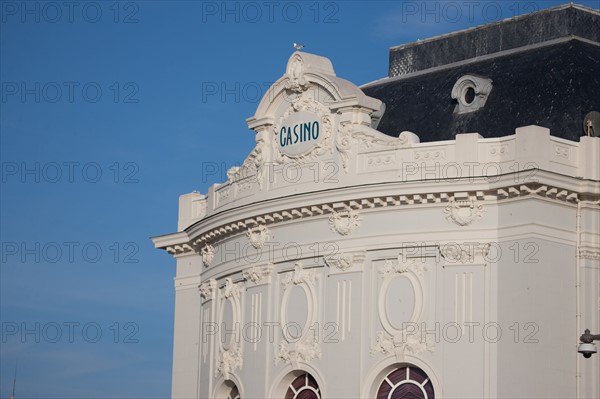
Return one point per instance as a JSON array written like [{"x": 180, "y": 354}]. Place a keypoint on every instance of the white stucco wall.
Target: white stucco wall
[{"x": 367, "y": 240}]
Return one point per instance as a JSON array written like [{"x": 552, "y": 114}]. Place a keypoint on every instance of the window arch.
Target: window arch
[
  {"x": 303, "y": 387},
  {"x": 406, "y": 382}
]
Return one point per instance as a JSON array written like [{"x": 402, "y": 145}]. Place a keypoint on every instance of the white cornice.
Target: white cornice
[
  {"x": 170, "y": 240},
  {"x": 379, "y": 196}
]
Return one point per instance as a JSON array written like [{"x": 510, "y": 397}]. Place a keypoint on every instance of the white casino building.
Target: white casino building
[{"x": 369, "y": 249}]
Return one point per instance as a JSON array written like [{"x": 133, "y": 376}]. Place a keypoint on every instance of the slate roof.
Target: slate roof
[{"x": 544, "y": 67}]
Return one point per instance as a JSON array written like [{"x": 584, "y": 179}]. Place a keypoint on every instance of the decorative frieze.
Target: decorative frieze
[
  {"x": 430, "y": 155},
  {"x": 590, "y": 255},
  {"x": 457, "y": 211}
]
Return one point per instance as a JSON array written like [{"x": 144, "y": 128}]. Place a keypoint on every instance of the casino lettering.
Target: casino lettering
[{"x": 299, "y": 133}]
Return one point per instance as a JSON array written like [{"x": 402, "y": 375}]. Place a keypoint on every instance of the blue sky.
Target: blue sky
[{"x": 111, "y": 110}]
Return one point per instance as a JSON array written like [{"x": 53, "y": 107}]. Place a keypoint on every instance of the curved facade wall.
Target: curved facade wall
[{"x": 341, "y": 262}]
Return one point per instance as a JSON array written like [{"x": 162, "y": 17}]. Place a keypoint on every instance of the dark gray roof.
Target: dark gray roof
[
  {"x": 552, "y": 84},
  {"x": 509, "y": 34}
]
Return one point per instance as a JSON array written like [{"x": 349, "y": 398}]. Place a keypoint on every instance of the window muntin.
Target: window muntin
[
  {"x": 407, "y": 382},
  {"x": 303, "y": 387}
]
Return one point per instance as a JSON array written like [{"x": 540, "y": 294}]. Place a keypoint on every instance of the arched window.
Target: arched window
[
  {"x": 407, "y": 382},
  {"x": 303, "y": 387},
  {"x": 228, "y": 390},
  {"x": 234, "y": 393}
]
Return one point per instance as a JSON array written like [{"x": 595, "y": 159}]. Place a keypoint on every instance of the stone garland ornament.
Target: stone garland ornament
[
  {"x": 258, "y": 236},
  {"x": 400, "y": 344},
  {"x": 367, "y": 141},
  {"x": 463, "y": 213},
  {"x": 415, "y": 266},
  {"x": 257, "y": 274},
  {"x": 208, "y": 254},
  {"x": 457, "y": 253},
  {"x": 304, "y": 350},
  {"x": 341, "y": 262},
  {"x": 344, "y": 262},
  {"x": 344, "y": 222},
  {"x": 229, "y": 361}
]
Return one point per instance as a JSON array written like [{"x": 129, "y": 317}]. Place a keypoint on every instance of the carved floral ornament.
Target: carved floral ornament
[
  {"x": 304, "y": 350},
  {"x": 416, "y": 266},
  {"x": 258, "y": 236},
  {"x": 344, "y": 262},
  {"x": 230, "y": 289},
  {"x": 413, "y": 343},
  {"x": 590, "y": 255},
  {"x": 463, "y": 212},
  {"x": 297, "y": 82},
  {"x": 343, "y": 144},
  {"x": 464, "y": 253},
  {"x": 207, "y": 289},
  {"x": 306, "y": 347},
  {"x": 345, "y": 221},
  {"x": 208, "y": 254},
  {"x": 455, "y": 211},
  {"x": 257, "y": 274},
  {"x": 229, "y": 361},
  {"x": 299, "y": 276}
]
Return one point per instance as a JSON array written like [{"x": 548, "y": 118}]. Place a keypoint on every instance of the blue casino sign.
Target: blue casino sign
[{"x": 299, "y": 133}]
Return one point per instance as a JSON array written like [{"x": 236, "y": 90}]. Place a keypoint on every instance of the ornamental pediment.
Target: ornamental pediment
[{"x": 306, "y": 114}]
